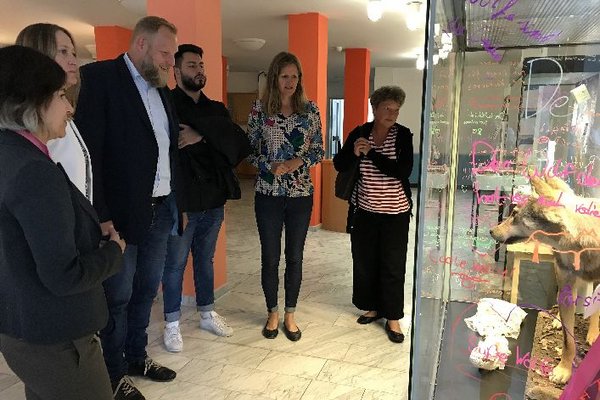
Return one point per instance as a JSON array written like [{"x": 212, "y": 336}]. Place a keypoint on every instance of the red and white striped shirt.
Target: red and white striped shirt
[{"x": 378, "y": 192}]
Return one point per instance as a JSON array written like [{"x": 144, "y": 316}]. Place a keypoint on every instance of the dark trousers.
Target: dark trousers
[
  {"x": 130, "y": 295},
  {"x": 379, "y": 243},
  {"x": 272, "y": 213},
  {"x": 72, "y": 370}
]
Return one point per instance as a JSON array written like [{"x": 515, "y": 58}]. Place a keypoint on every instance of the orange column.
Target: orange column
[
  {"x": 307, "y": 39},
  {"x": 111, "y": 41},
  {"x": 199, "y": 22},
  {"x": 356, "y": 88}
]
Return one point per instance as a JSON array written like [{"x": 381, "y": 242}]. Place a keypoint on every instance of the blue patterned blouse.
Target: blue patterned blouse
[{"x": 280, "y": 138}]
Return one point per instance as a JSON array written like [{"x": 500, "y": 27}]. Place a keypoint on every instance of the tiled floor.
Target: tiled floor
[{"x": 335, "y": 359}]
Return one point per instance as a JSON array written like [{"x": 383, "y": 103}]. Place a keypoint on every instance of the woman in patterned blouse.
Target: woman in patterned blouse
[{"x": 285, "y": 134}]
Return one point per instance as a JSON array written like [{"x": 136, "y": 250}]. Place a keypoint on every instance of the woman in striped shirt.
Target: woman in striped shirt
[{"x": 380, "y": 208}]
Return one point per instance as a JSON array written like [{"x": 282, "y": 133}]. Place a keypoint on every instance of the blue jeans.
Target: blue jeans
[
  {"x": 272, "y": 213},
  {"x": 130, "y": 294},
  {"x": 200, "y": 235}
]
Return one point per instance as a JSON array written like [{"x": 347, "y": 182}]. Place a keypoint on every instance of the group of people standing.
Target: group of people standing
[{"x": 157, "y": 165}]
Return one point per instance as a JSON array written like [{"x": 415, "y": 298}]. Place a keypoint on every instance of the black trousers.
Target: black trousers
[
  {"x": 73, "y": 370},
  {"x": 272, "y": 214},
  {"x": 379, "y": 244}
]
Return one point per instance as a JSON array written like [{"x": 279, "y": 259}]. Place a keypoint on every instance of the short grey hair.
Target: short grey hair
[
  {"x": 385, "y": 93},
  {"x": 17, "y": 117}
]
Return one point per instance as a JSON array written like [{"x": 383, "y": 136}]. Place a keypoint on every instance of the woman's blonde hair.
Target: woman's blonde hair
[
  {"x": 271, "y": 98},
  {"x": 42, "y": 37}
]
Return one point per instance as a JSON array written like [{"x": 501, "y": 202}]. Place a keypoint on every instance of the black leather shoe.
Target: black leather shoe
[
  {"x": 363, "y": 319},
  {"x": 293, "y": 336},
  {"x": 124, "y": 389},
  {"x": 396, "y": 337},
  {"x": 152, "y": 370},
  {"x": 270, "y": 333}
]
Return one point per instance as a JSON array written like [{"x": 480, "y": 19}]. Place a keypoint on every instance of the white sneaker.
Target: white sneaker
[
  {"x": 172, "y": 339},
  {"x": 215, "y": 324}
]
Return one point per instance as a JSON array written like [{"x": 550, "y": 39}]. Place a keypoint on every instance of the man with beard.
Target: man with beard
[
  {"x": 130, "y": 127},
  {"x": 210, "y": 146}
]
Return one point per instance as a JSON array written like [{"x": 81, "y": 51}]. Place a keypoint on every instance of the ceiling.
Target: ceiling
[{"x": 390, "y": 42}]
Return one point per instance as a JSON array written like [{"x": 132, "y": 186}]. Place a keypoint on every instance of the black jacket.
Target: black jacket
[
  {"x": 399, "y": 168},
  {"x": 207, "y": 166},
  {"x": 114, "y": 123},
  {"x": 51, "y": 267}
]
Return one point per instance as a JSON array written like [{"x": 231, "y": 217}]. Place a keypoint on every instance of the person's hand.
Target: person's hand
[
  {"x": 115, "y": 237},
  {"x": 293, "y": 164},
  {"x": 105, "y": 227},
  {"x": 279, "y": 168},
  {"x": 361, "y": 146},
  {"x": 188, "y": 136},
  {"x": 184, "y": 220}
]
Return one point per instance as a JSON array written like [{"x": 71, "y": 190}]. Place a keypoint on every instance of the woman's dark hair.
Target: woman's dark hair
[
  {"x": 384, "y": 93},
  {"x": 28, "y": 81},
  {"x": 271, "y": 98},
  {"x": 42, "y": 37}
]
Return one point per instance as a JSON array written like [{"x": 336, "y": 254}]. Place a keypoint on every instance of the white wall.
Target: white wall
[
  {"x": 411, "y": 80},
  {"x": 242, "y": 82}
]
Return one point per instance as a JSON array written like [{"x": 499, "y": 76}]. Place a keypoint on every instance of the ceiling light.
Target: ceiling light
[
  {"x": 420, "y": 62},
  {"x": 412, "y": 24},
  {"x": 251, "y": 44},
  {"x": 375, "y": 10},
  {"x": 414, "y": 15}
]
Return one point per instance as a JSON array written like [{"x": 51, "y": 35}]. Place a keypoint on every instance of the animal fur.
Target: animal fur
[{"x": 575, "y": 241}]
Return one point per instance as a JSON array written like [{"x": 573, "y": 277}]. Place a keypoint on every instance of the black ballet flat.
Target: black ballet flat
[
  {"x": 293, "y": 336},
  {"x": 270, "y": 333},
  {"x": 396, "y": 337},
  {"x": 363, "y": 319}
]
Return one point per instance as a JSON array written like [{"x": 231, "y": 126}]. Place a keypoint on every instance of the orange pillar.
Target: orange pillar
[
  {"x": 356, "y": 88},
  {"x": 307, "y": 39},
  {"x": 111, "y": 41},
  {"x": 199, "y": 22}
]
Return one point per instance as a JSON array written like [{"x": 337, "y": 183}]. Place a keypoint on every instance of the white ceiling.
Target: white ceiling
[{"x": 390, "y": 42}]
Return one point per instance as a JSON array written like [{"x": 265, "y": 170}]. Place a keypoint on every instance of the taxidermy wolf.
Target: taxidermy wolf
[{"x": 555, "y": 216}]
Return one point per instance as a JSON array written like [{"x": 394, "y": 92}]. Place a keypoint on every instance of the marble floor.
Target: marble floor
[{"x": 335, "y": 359}]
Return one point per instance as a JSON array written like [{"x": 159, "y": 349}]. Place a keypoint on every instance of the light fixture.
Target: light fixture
[
  {"x": 251, "y": 44},
  {"x": 414, "y": 17},
  {"x": 420, "y": 62},
  {"x": 375, "y": 10}
]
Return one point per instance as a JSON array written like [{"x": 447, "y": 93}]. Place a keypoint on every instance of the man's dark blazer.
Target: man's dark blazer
[
  {"x": 51, "y": 266},
  {"x": 116, "y": 128}
]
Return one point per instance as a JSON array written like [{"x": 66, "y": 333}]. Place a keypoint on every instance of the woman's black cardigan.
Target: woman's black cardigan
[{"x": 400, "y": 168}]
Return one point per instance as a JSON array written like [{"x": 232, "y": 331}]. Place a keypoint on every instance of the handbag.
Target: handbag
[{"x": 346, "y": 180}]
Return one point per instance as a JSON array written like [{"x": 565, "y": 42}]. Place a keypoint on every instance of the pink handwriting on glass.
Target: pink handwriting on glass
[
  {"x": 559, "y": 169},
  {"x": 565, "y": 297},
  {"x": 544, "y": 366},
  {"x": 589, "y": 210},
  {"x": 501, "y": 12}
]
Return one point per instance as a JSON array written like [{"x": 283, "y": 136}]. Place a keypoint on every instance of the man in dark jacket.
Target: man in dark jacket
[
  {"x": 129, "y": 125},
  {"x": 210, "y": 146}
]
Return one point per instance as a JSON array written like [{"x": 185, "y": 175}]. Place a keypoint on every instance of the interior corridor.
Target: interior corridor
[{"x": 335, "y": 359}]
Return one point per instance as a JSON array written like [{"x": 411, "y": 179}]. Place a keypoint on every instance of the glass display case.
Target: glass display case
[{"x": 507, "y": 206}]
